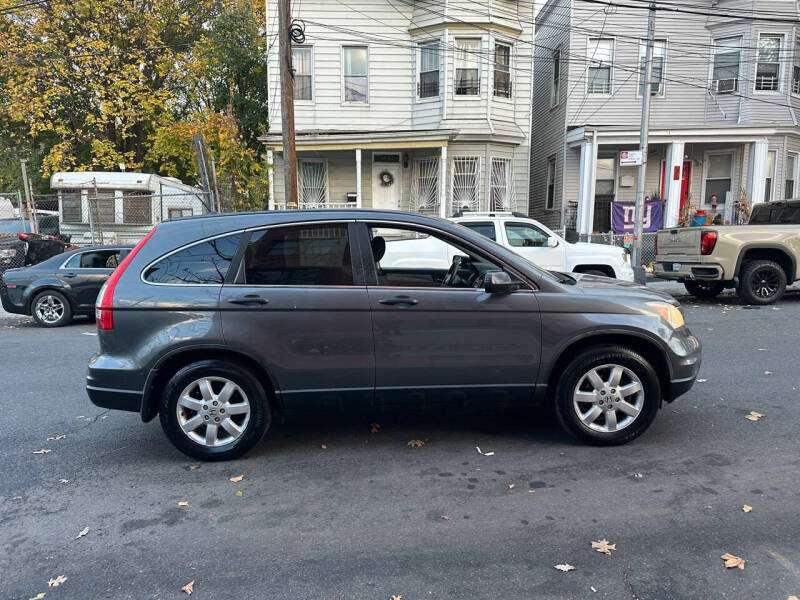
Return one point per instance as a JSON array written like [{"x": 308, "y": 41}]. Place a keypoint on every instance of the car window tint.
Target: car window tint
[
  {"x": 74, "y": 262},
  {"x": 300, "y": 255},
  {"x": 486, "y": 229},
  {"x": 99, "y": 259},
  {"x": 790, "y": 215},
  {"x": 203, "y": 263},
  {"x": 522, "y": 235}
]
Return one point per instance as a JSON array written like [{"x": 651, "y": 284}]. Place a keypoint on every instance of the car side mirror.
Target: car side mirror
[
  {"x": 499, "y": 282},
  {"x": 552, "y": 242}
]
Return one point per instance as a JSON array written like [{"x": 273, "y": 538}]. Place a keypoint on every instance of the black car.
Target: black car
[
  {"x": 19, "y": 248},
  {"x": 54, "y": 291}
]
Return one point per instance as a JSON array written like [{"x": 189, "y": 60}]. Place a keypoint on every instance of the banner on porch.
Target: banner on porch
[{"x": 622, "y": 217}]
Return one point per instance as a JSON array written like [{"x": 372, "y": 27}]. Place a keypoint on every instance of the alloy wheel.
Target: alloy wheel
[
  {"x": 608, "y": 398},
  {"x": 49, "y": 309},
  {"x": 213, "y": 411},
  {"x": 765, "y": 282}
]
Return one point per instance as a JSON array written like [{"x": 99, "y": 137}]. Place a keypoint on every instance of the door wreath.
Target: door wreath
[{"x": 386, "y": 178}]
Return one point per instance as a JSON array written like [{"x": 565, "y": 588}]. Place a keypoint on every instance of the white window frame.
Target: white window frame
[
  {"x": 477, "y": 57},
  {"x": 341, "y": 56},
  {"x": 310, "y": 48},
  {"x": 420, "y": 44},
  {"x": 550, "y": 204},
  {"x": 716, "y": 44},
  {"x": 510, "y": 46},
  {"x": 642, "y": 55},
  {"x": 555, "y": 86},
  {"x": 795, "y": 80},
  {"x": 590, "y": 60},
  {"x": 324, "y": 162},
  {"x": 479, "y": 167},
  {"x": 781, "y": 53},
  {"x": 706, "y": 161},
  {"x": 793, "y": 176},
  {"x": 770, "y": 176}
]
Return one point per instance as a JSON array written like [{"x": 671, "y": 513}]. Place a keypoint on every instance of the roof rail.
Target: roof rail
[{"x": 489, "y": 213}]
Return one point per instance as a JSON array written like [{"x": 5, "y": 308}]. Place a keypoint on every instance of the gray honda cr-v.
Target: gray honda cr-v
[{"x": 214, "y": 323}]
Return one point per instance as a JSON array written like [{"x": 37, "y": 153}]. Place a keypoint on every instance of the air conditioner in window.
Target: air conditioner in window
[{"x": 726, "y": 86}]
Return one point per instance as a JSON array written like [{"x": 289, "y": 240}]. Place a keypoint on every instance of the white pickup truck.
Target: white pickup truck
[{"x": 521, "y": 234}]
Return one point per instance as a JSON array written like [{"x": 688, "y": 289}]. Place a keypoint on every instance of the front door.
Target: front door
[
  {"x": 300, "y": 309},
  {"x": 437, "y": 331},
  {"x": 387, "y": 173}
]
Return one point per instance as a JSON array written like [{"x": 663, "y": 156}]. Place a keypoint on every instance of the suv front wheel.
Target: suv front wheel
[
  {"x": 761, "y": 282},
  {"x": 607, "y": 396},
  {"x": 214, "y": 410}
]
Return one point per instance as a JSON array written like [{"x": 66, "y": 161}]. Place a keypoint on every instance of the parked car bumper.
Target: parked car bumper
[
  {"x": 686, "y": 359},
  {"x": 114, "y": 383},
  {"x": 625, "y": 272},
  {"x": 669, "y": 269},
  {"x": 8, "y": 304}
]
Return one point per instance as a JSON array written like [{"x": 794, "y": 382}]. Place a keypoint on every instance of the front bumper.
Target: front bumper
[
  {"x": 686, "y": 360},
  {"x": 625, "y": 272}
]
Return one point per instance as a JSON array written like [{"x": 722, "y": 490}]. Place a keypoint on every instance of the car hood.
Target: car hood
[
  {"x": 601, "y": 249},
  {"x": 605, "y": 286}
]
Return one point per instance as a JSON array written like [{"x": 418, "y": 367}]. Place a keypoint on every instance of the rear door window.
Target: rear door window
[
  {"x": 485, "y": 228},
  {"x": 205, "y": 263}
]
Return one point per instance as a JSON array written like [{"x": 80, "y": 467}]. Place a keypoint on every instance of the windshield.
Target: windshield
[{"x": 14, "y": 226}]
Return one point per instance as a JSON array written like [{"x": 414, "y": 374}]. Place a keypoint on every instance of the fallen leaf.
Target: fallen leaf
[
  {"x": 42, "y": 451},
  {"x": 63, "y": 481},
  {"x": 239, "y": 493},
  {"x": 484, "y": 453},
  {"x": 80, "y": 417},
  {"x": 732, "y": 562},
  {"x": 789, "y": 598},
  {"x": 374, "y": 427},
  {"x": 445, "y": 518},
  {"x": 57, "y": 581},
  {"x": 565, "y": 567},
  {"x": 531, "y": 491},
  {"x": 604, "y": 546},
  {"x": 747, "y": 508},
  {"x": 183, "y": 503},
  {"x": 188, "y": 588},
  {"x": 324, "y": 447},
  {"x": 702, "y": 380},
  {"x": 82, "y": 532},
  {"x": 754, "y": 416},
  {"x": 767, "y": 372},
  {"x": 594, "y": 589},
  {"x": 511, "y": 486},
  {"x": 52, "y": 438},
  {"x": 38, "y": 596},
  {"x": 416, "y": 443},
  {"x": 396, "y": 597},
  {"x": 236, "y": 479},
  {"x": 762, "y": 349},
  {"x": 637, "y": 475},
  {"x": 193, "y": 467}
]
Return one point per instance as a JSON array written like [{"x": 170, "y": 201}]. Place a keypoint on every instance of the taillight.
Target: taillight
[
  {"x": 104, "y": 307},
  {"x": 708, "y": 240},
  {"x": 23, "y": 236}
]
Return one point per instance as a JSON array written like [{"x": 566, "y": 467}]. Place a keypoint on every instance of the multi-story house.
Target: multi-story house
[
  {"x": 723, "y": 113},
  {"x": 406, "y": 104}
]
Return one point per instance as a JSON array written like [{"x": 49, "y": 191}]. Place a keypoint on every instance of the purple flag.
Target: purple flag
[{"x": 622, "y": 217}]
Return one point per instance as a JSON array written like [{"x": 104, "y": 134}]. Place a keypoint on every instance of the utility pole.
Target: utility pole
[
  {"x": 28, "y": 203},
  {"x": 287, "y": 102},
  {"x": 638, "y": 269}
]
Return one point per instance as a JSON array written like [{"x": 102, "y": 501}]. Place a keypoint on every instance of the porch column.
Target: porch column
[
  {"x": 443, "y": 183},
  {"x": 758, "y": 173},
  {"x": 358, "y": 177},
  {"x": 673, "y": 174},
  {"x": 586, "y": 180},
  {"x": 271, "y": 178}
]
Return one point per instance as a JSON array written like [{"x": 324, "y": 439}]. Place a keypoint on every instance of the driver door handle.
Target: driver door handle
[
  {"x": 399, "y": 300},
  {"x": 70, "y": 275},
  {"x": 248, "y": 300}
]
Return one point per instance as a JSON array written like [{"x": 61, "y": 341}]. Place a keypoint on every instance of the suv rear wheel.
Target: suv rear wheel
[
  {"x": 214, "y": 410},
  {"x": 704, "y": 289},
  {"x": 607, "y": 396},
  {"x": 761, "y": 282},
  {"x": 51, "y": 309}
]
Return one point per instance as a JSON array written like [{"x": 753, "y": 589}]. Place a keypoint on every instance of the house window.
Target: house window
[
  {"x": 425, "y": 185},
  {"x": 303, "y": 64},
  {"x": 137, "y": 207},
  {"x": 71, "y": 206},
  {"x": 465, "y": 183},
  {"x": 356, "y": 74},
  {"x": 468, "y": 82},
  {"x": 791, "y": 176},
  {"x": 727, "y": 54},
  {"x": 659, "y": 61},
  {"x": 768, "y": 68},
  {"x": 718, "y": 176},
  {"x": 313, "y": 182},
  {"x": 502, "y": 70},
  {"x": 769, "y": 176},
  {"x": 601, "y": 56},
  {"x": 428, "y": 86},
  {"x": 179, "y": 213},
  {"x": 555, "y": 81},
  {"x": 551, "y": 183},
  {"x": 796, "y": 67},
  {"x": 500, "y": 184}
]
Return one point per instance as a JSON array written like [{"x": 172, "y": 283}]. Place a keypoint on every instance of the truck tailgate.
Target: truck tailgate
[{"x": 679, "y": 241}]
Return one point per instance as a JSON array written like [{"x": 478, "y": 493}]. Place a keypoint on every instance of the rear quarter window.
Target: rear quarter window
[{"x": 206, "y": 263}]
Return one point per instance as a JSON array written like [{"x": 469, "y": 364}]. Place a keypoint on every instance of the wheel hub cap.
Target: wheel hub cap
[
  {"x": 213, "y": 411},
  {"x": 49, "y": 309},
  {"x": 608, "y": 398}
]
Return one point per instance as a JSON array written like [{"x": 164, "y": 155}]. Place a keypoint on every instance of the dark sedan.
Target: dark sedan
[{"x": 61, "y": 287}]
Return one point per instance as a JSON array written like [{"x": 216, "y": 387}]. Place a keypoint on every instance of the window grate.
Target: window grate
[{"x": 425, "y": 185}]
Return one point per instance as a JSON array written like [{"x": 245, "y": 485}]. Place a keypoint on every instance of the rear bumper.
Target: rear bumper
[
  {"x": 114, "y": 383},
  {"x": 664, "y": 269},
  {"x": 8, "y": 305},
  {"x": 115, "y": 399}
]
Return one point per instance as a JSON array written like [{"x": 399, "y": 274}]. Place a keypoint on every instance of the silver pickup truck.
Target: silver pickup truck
[{"x": 758, "y": 259}]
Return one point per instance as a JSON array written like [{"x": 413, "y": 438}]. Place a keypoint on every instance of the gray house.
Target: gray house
[
  {"x": 725, "y": 94},
  {"x": 409, "y": 105}
]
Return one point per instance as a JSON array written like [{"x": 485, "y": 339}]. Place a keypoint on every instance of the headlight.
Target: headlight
[{"x": 671, "y": 314}]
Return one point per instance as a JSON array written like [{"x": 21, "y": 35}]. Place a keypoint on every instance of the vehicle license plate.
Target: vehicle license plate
[{"x": 676, "y": 266}]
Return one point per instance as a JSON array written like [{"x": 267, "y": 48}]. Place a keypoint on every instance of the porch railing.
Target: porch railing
[{"x": 314, "y": 206}]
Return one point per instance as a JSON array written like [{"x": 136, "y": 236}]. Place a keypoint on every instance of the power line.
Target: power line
[{"x": 676, "y": 9}]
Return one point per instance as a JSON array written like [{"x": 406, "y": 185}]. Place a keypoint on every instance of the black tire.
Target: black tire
[
  {"x": 51, "y": 298},
  {"x": 260, "y": 417},
  {"x": 573, "y": 375},
  {"x": 761, "y": 282},
  {"x": 704, "y": 289}
]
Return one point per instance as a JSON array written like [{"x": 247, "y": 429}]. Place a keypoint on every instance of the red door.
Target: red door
[{"x": 686, "y": 176}]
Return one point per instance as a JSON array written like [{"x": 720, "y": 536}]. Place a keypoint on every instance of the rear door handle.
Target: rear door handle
[
  {"x": 399, "y": 300},
  {"x": 70, "y": 275},
  {"x": 248, "y": 300}
]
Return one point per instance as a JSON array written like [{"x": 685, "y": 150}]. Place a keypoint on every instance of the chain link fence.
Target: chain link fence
[{"x": 621, "y": 240}]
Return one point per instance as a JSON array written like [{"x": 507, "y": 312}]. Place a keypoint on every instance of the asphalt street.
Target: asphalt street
[{"x": 328, "y": 510}]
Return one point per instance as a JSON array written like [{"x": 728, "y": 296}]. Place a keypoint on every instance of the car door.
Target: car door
[
  {"x": 528, "y": 240},
  {"x": 85, "y": 273},
  {"x": 298, "y": 305},
  {"x": 431, "y": 338}
]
